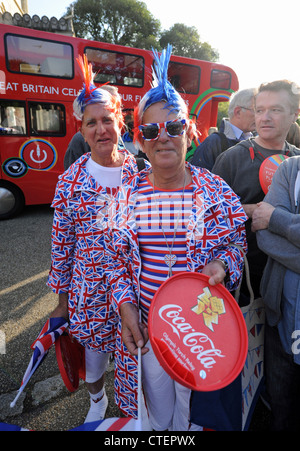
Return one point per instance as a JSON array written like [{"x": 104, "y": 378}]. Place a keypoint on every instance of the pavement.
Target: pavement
[{"x": 25, "y": 305}]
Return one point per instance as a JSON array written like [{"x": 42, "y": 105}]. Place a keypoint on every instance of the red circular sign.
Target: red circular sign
[
  {"x": 268, "y": 169},
  {"x": 198, "y": 332},
  {"x": 70, "y": 359},
  {"x": 39, "y": 154}
]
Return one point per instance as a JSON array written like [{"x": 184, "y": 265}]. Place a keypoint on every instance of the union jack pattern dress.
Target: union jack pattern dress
[
  {"x": 215, "y": 225},
  {"x": 77, "y": 268}
]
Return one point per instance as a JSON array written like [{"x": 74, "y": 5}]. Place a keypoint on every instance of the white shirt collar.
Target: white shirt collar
[{"x": 233, "y": 132}]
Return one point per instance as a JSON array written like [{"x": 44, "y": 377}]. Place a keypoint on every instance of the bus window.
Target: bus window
[
  {"x": 220, "y": 79},
  {"x": 184, "y": 77},
  {"x": 12, "y": 118},
  {"x": 38, "y": 56},
  {"x": 47, "y": 119},
  {"x": 117, "y": 68}
]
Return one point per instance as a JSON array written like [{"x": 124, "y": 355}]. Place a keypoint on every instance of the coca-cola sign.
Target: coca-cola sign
[
  {"x": 193, "y": 342},
  {"x": 197, "y": 332}
]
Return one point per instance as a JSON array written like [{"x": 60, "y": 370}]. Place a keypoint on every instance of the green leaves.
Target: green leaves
[{"x": 129, "y": 23}]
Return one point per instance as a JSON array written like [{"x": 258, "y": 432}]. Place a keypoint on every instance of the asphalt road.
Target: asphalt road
[{"x": 25, "y": 305}]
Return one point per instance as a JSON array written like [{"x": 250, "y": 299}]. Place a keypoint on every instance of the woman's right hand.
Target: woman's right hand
[{"x": 134, "y": 333}]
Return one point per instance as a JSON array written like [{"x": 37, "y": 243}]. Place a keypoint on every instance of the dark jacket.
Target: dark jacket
[
  {"x": 239, "y": 167},
  {"x": 281, "y": 241},
  {"x": 206, "y": 154}
]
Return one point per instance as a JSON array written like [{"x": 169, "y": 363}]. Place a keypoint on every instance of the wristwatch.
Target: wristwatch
[{"x": 224, "y": 263}]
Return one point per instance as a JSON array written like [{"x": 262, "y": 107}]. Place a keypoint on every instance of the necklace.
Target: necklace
[{"x": 170, "y": 258}]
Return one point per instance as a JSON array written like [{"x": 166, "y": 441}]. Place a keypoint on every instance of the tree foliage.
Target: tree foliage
[
  {"x": 124, "y": 22},
  {"x": 222, "y": 112},
  {"x": 128, "y": 22},
  {"x": 186, "y": 42}
]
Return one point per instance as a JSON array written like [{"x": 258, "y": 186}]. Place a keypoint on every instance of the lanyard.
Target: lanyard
[{"x": 253, "y": 152}]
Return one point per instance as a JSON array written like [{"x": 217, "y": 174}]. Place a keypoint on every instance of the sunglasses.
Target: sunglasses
[{"x": 151, "y": 132}]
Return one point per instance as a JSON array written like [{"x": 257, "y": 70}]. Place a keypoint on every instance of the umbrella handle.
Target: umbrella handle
[
  {"x": 13, "y": 403},
  {"x": 138, "y": 425}
]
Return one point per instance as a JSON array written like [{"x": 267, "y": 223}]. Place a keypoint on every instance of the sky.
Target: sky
[{"x": 258, "y": 39}]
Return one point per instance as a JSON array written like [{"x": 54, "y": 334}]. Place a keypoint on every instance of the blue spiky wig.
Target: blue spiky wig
[{"x": 161, "y": 91}]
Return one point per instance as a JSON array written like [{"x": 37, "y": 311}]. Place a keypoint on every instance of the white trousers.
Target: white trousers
[
  {"x": 168, "y": 402},
  {"x": 96, "y": 364}
]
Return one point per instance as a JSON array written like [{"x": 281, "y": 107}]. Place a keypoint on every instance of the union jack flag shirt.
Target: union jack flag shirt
[
  {"x": 214, "y": 226},
  {"x": 80, "y": 218}
]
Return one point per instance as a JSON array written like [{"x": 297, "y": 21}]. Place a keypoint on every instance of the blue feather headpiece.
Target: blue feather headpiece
[{"x": 162, "y": 89}]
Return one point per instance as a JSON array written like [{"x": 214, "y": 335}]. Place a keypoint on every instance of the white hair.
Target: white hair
[{"x": 243, "y": 98}]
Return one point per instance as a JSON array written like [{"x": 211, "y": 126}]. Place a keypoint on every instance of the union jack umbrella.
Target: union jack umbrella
[
  {"x": 109, "y": 424},
  {"x": 52, "y": 329}
]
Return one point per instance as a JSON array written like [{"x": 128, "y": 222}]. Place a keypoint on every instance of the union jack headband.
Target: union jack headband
[{"x": 91, "y": 94}]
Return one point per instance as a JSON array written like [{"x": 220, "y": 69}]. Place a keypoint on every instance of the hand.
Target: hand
[
  {"x": 62, "y": 309},
  {"x": 261, "y": 216},
  {"x": 249, "y": 209},
  {"x": 216, "y": 272},
  {"x": 134, "y": 333}
]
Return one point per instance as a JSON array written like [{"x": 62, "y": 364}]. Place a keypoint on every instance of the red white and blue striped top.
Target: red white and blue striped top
[{"x": 153, "y": 211}]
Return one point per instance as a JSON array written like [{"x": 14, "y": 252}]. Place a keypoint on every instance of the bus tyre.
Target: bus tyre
[{"x": 11, "y": 200}]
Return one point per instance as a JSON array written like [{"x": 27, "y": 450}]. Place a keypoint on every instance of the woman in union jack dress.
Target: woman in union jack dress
[
  {"x": 169, "y": 218},
  {"x": 82, "y": 195}
]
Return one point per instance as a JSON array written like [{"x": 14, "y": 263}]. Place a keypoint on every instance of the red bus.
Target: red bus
[{"x": 39, "y": 79}]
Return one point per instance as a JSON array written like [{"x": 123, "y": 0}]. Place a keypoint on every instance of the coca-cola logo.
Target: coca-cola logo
[{"x": 193, "y": 341}]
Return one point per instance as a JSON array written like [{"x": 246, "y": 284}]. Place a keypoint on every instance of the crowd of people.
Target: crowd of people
[{"x": 106, "y": 267}]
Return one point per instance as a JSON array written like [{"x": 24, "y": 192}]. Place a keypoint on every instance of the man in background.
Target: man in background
[{"x": 276, "y": 108}]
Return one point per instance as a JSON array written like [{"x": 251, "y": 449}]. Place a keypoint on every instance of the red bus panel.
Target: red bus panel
[{"x": 39, "y": 79}]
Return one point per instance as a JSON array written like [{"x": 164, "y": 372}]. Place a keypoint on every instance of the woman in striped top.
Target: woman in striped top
[
  {"x": 158, "y": 210},
  {"x": 171, "y": 218}
]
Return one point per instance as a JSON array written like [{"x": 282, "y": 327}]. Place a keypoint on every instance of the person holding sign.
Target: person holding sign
[
  {"x": 249, "y": 166},
  {"x": 170, "y": 219}
]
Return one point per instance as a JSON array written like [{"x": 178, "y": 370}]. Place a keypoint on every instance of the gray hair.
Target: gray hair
[{"x": 243, "y": 98}]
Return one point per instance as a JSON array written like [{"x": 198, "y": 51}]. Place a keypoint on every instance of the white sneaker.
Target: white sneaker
[{"x": 97, "y": 410}]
